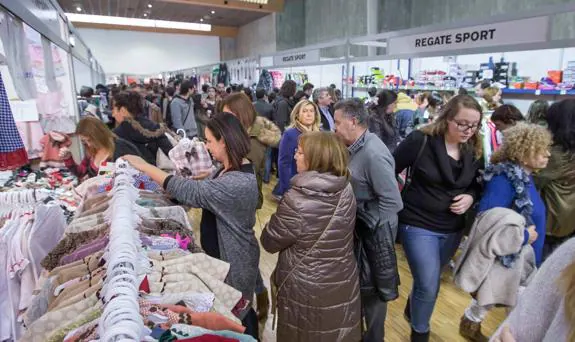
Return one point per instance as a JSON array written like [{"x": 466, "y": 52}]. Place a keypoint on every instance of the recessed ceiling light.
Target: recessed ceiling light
[
  {"x": 213, "y": 12},
  {"x": 201, "y": 19},
  {"x": 78, "y": 9},
  {"x": 145, "y": 14},
  {"x": 149, "y": 5}
]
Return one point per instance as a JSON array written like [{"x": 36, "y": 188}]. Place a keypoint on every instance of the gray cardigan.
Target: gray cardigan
[
  {"x": 540, "y": 312},
  {"x": 373, "y": 179},
  {"x": 232, "y": 198},
  {"x": 183, "y": 117}
]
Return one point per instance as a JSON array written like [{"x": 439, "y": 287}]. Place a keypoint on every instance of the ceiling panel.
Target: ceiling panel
[{"x": 163, "y": 11}]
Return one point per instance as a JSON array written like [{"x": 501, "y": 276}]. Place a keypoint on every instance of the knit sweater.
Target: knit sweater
[
  {"x": 540, "y": 313},
  {"x": 232, "y": 198}
]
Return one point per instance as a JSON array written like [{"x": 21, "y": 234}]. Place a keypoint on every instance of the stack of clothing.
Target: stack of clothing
[{"x": 182, "y": 291}]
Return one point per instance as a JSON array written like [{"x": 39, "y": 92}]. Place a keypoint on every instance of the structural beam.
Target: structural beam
[
  {"x": 220, "y": 31},
  {"x": 271, "y": 7}
]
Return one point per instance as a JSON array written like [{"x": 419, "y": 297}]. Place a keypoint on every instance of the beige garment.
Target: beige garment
[
  {"x": 496, "y": 232},
  {"x": 42, "y": 328}
]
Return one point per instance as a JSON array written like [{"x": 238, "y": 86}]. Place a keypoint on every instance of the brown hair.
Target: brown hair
[
  {"x": 228, "y": 127},
  {"x": 240, "y": 105},
  {"x": 324, "y": 152},
  {"x": 568, "y": 285},
  {"x": 295, "y": 116},
  {"x": 450, "y": 111},
  {"x": 99, "y": 135},
  {"x": 522, "y": 142},
  {"x": 488, "y": 95},
  {"x": 508, "y": 114}
]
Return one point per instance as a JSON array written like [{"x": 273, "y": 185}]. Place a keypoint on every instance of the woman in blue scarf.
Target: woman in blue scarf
[{"x": 509, "y": 184}]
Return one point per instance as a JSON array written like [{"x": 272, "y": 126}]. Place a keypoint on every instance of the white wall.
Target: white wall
[{"x": 140, "y": 53}]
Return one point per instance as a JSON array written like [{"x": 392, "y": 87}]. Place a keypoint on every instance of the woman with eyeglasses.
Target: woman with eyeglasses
[{"x": 445, "y": 157}]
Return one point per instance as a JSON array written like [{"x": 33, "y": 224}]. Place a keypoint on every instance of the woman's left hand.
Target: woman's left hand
[
  {"x": 461, "y": 203},
  {"x": 137, "y": 162},
  {"x": 505, "y": 336}
]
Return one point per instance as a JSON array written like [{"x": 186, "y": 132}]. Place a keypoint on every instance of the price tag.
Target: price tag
[
  {"x": 563, "y": 92},
  {"x": 538, "y": 92}
]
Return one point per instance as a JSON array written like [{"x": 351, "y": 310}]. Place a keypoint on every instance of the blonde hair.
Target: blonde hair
[
  {"x": 295, "y": 123},
  {"x": 439, "y": 126},
  {"x": 488, "y": 95},
  {"x": 568, "y": 285},
  {"x": 521, "y": 142},
  {"x": 100, "y": 136},
  {"x": 324, "y": 152}
]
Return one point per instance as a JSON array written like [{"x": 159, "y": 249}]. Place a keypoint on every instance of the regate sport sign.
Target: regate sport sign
[
  {"x": 530, "y": 30},
  {"x": 297, "y": 58}
]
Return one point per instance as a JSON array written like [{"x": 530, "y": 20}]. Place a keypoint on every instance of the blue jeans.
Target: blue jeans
[
  {"x": 427, "y": 252},
  {"x": 268, "y": 166}
]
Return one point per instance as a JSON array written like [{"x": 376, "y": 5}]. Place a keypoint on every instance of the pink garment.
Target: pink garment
[
  {"x": 31, "y": 133},
  {"x": 51, "y": 149}
]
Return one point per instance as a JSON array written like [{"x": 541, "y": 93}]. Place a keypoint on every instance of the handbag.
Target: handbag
[
  {"x": 191, "y": 157},
  {"x": 276, "y": 289},
  {"x": 410, "y": 170},
  {"x": 162, "y": 160}
]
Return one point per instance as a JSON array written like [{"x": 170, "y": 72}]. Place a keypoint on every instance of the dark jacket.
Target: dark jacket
[
  {"x": 324, "y": 121},
  {"x": 264, "y": 109},
  {"x": 404, "y": 122},
  {"x": 320, "y": 300},
  {"x": 146, "y": 135},
  {"x": 378, "y": 202},
  {"x": 282, "y": 112},
  {"x": 287, "y": 167},
  {"x": 385, "y": 127}
]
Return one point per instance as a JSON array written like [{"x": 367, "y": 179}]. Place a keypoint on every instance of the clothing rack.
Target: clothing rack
[{"x": 121, "y": 320}]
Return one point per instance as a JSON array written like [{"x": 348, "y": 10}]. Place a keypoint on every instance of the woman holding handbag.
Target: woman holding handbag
[{"x": 316, "y": 276}]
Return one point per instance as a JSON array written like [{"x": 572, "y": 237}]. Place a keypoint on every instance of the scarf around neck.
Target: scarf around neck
[{"x": 520, "y": 180}]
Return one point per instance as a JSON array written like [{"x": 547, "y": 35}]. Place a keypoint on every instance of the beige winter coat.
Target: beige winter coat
[
  {"x": 496, "y": 232},
  {"x": 320, "y": 301}
]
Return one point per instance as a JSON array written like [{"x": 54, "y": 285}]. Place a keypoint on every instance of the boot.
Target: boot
[
  {"x": 419, "y": 337},
  {"x": 263, "y": 306},
  {"x": 471, "y": 330},
  {"x": 407, "y": 311}
]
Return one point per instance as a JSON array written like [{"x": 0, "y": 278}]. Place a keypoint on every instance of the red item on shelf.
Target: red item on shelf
[
  {"x": 531, "y": 85},
  {"x": 555, "y": 75}
]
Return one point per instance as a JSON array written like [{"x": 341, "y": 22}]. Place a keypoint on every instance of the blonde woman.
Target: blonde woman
[
  {"x": 491, "y": 99},
  {"x": 305, "y": 117},
  {"x": 316, "y": 276}
]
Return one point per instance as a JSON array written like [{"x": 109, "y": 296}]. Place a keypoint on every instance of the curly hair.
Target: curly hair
[{"x": 522, "y": 142}]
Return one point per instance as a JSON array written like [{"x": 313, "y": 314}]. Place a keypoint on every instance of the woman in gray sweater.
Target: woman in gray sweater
[{"x": 228, "y": 199}]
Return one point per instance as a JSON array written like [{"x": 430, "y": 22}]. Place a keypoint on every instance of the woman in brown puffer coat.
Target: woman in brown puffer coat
[{"x": 316, "y": 275}]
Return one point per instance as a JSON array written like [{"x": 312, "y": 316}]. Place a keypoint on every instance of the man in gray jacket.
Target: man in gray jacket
[
  {"x": 182, "y": 111},
  {"x": 378, "y": 202}
]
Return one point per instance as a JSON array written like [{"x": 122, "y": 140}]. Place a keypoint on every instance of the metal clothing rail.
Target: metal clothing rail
[{"x": 121, "y": 320}]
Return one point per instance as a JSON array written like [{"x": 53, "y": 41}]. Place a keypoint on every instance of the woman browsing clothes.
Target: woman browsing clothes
[
  {"x": 229, "y": 199},
  {"x": 100, "y": 145},
  {"x": 316, "y": 274}
]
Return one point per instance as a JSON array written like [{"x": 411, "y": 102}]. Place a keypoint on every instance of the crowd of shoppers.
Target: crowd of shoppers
[{"x": 341, "y": 210}]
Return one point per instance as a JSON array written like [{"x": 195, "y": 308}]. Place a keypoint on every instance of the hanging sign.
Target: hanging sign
[
  {"x": 297, "y": 58},
  {"x": 523, "y": 31}
]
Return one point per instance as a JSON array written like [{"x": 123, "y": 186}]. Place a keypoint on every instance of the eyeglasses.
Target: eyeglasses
[{"x": 462, "y": 127}]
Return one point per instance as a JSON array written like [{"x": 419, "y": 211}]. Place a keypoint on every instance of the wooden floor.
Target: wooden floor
[{"x": 448, "y": 310}]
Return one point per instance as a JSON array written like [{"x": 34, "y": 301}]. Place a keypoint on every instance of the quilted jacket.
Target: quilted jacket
[{"x": 320, "y": 300}]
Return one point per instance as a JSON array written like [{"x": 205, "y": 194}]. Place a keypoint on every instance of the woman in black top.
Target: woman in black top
[
  {"x": 133, "y": 126},
  {"x": 444, "y": 186}
]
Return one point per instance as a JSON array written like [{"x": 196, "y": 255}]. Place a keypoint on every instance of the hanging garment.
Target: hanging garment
[
  {"x": 191, "y": 157},
  {"x": 266, "y": 81},
  {"x": 52, "y": 143},
  {"x": 31, "y": 133},
  {"x": 12, "y": 152}
]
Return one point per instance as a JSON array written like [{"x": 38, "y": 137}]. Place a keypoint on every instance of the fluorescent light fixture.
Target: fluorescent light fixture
[
  {"x": 149, "y": 5},
  {"x": 78, "y": 9},
  {"x": 261, "y": 2},
  {"x": 108, "y": 20},
  {"x": 372, "y": 43}
]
